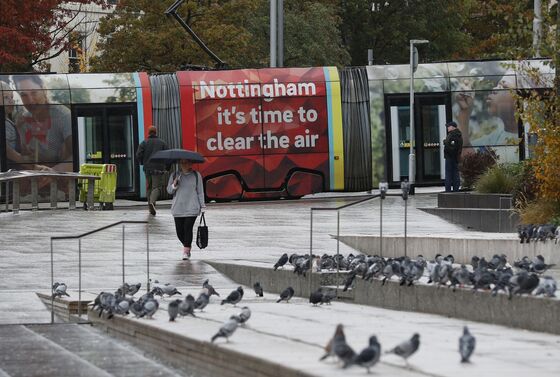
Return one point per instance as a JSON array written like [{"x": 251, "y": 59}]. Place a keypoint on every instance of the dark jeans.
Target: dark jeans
[
  {"x": 452, "y": 179},
  {"x": 155, "y": 187},
  {"x": 184, "y": 228}
]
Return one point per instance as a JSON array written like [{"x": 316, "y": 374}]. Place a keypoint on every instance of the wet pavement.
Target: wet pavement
[{"x": 246, "y": 231}]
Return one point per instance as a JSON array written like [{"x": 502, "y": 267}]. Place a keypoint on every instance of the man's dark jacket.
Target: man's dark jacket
[
  {"x": 146, "y": 149},
  {"x": 453, "y": 145}
]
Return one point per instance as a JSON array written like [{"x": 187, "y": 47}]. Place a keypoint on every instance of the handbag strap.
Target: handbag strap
[{"x": 202, "y": 219}]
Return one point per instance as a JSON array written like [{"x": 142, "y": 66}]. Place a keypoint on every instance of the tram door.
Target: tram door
[
  {"x": 106, "y": 136},
  {"x": 430, "y": 115}
]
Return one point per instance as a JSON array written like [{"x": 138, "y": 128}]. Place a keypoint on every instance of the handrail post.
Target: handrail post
[
  {"x": 52, "y": 283},
  {"x": 148, "y": 257},
  {"x": 381, "y": 227},
  {"x": 311, "y": 251},
  {"x": 80, "y": 278},
  {"x": 405, "y": 226},
  {"x": 123, "y": 254},
  {"x": 337, "y": 247}
]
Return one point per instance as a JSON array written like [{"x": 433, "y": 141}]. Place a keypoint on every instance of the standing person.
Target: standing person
[
  {"x": 154, "y": 170},
  {"x": 188, "y": 202},
  {"x": 453, "y": 145}
]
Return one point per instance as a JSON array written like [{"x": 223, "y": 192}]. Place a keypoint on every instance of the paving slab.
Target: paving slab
[{"x": 293, "y": 335}]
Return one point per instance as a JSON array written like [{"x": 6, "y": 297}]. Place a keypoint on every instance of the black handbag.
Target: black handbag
[{"x": 202, "y": 233}]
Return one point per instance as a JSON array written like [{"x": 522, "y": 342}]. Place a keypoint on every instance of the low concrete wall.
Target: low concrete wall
[
  {"x": 276, "y": 281},
  {"x": 480, "y": 219},
  {"x": 473, "y": 200},
  {"x": 526, "y": 312},
  {"x": 462, "y": 249},
  {"x": 180, "y": 351}
]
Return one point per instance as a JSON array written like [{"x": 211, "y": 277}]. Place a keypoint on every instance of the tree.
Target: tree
[
  {"x": 30, "y": 29},
  {"x": 388, "y": 26},
  {"x": 499, "y": 29},
  {"x": 139, "y": 37}
]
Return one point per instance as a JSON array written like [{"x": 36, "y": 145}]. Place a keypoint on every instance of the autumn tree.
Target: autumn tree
[
  {"x": 499, "y": 29},
  {"x": 32, "y": 32}
]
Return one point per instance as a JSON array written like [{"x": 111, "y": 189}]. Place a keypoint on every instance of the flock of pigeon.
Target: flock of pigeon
[
  {"x": 495, "y": 274},
  {"x": 541, "y": 232},
  {"x": 338, "y": 347}
]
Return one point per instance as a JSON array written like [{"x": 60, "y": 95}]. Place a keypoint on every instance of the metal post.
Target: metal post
[
  {"x": 411, "y": 155},
  {"x": 280, "y": 31},
  {"x": 311, "y": 250},
  {"x": 337, "y": 246},
  {"x": 500, "y": 215},
  {"x": 7, "y": 196},
  {"x": 80, "y": 278},
  {"x": 380, "y": 227},
  {"x": 123, "y": 254},
  {"x": 537, "y": 28},
  {"x": 52, "y": 283},
  {"x": 148, "y": 258},
  {"x": 273, "y": 33},
  {"x": 405, "y": 224},
  {"x": 15, "y": 200}
]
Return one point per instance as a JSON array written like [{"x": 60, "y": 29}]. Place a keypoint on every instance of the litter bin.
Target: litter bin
[{"x": 104, "y": 188}]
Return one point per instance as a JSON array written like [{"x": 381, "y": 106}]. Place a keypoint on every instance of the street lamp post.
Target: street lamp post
[{"x": 412, "y": 156}]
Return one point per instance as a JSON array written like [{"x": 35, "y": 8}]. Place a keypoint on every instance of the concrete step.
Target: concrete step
[{"x": 71, "y": 350}]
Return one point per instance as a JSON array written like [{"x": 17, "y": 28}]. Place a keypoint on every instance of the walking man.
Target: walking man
[
  {"x": 154, "y": 170},
  {"x": 452, "y": 147}
]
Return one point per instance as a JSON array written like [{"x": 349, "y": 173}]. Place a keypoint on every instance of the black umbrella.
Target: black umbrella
[{"x": 170, "y": 156}]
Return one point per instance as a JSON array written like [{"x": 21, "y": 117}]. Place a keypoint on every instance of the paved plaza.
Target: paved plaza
[{"x": 256, "y": 232}]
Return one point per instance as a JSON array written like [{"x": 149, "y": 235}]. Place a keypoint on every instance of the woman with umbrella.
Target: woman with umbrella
[{"x": 188, "y": 194}]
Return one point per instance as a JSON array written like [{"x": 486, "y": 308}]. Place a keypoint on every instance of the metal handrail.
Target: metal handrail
[
  {"x": 79, "y": 238},
  {"x": 338, "y": 209}
]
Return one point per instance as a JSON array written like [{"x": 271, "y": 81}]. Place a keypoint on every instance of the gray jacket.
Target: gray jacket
[{"x": 188, "y": 197}]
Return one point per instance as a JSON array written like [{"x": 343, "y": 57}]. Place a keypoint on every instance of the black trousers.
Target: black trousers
[{"x": 184, "y": 228}]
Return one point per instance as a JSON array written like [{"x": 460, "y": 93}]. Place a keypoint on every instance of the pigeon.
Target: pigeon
[
  {"x": 523, "y": 283},
  {"x": 227, "y": 329},
  {"x": 170, "y": 290},
  {"x": 539, "y": 266},
  {"x": 339, "y": 346},
  {"x": 407, "y": 348},
  {"x": 173, "y": 309},
  {"x": 121, "y": 307},
  {"x": 281, "y": 262},
  {"x": 201, "y": 301},
  {"x": 136, "y": 308},
  {"x": 258, "y": 289},
  {"x": 286, "y": 295},
  {"x": 149, "y": 308},
  {"x": 211, "y": 290},
  {"x": 59, "y": 290},
  {"x": 329, "y": 295},
  {"x": 369, "y": 355},
  {"x": 316, "y": 297},
  {"x": 133, "y": 289},
  {"x": 349, "y": 280},
  {"x": 244, "y": 315},
  {"x": 547, "y": 287},
  {"x": 187, "y": 306},
  {"x": 467, "y": 343},
  {"x": 234, "y": 297}
]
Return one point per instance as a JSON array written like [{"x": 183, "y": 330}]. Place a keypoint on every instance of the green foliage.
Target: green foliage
[
  {"x": 389, "y": 28},
  {"x": 496, "y": 180},
  {"x": 138, "y": 37},
  {"x": 475, "y": 164}
]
